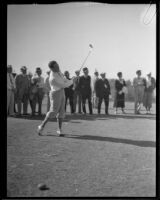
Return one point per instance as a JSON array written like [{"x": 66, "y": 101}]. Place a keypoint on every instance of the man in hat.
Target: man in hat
[
  {"x": 95, "y": 98},
  {"x": 86, "y": 91},
  {"x": 40, "y": 88},
  {"x": 22, "y": 90},
  {"x": 102, "y": 88},
  {"x": 14, "y": 75},
  {"x": 77, "y": 92},
  {"x": 139, "y": 85},
  {"x": 10, "y": 91},
  {"x": 69, "y": 93},
  {"x": 148, "y": 92}
]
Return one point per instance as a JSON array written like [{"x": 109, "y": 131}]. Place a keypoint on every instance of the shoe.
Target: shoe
[
  {"x": 12, "y": 115},
  {"x": 60, "y": 134},
  {"x": 40, "y": 130},
  {"x": 25, "y": 114},
  {"x": 18, "y": 115}
]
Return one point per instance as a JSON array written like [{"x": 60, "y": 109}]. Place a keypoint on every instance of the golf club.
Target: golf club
[{"x": 91, "y": 47}]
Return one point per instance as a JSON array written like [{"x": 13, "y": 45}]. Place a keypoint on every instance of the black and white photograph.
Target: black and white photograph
[{"x": 81, "y": 100}]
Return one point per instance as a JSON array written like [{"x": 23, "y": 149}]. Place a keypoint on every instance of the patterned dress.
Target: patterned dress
[{"x": 119, "y": 95}]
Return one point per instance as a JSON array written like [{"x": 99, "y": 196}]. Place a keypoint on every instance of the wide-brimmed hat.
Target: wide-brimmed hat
[
  {"x": 23, "y": 68},
  {"x": 103, "y": 73},
  {"x": 96, "y": 73},
  {"x": 85, "y": 68},
  {"x": 77, "y": 71},
  {"x": 149, "y": 74},
  {"x": 9, "y": 66},
  {"x": 38, "y": 69}
]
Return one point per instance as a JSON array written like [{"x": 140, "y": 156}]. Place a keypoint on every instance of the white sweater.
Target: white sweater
[{"x": 57, "y": 81}]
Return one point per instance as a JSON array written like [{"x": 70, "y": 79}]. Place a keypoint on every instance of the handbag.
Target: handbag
[{"x": 124, "y": 90}]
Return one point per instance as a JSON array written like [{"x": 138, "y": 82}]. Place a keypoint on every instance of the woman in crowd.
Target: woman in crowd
[
  {"x": 148, "y": 92},
  {"x": 139, "y": 85},
  {"x": 120, "y": 86},
  {"x": 57, "y": 97}
]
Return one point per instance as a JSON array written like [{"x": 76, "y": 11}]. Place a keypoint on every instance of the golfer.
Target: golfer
[{"x": 57, "y": 97}]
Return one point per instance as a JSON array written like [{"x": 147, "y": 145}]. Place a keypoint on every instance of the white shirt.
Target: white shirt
[
  {"x": 10, "y": 82},
  {"x": 57, "y": 81}
]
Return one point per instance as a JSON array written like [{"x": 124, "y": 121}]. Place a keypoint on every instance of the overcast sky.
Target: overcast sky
[{"x": 37, "y": 34}]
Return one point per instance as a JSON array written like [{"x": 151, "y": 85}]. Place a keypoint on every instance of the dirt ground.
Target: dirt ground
[{"x": 100, "y": 156}]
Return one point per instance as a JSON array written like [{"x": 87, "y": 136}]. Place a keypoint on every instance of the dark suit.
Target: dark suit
[
  {"x": 102, "y": 88},
  {"x": 86, "y": 92},
  {"x": 69, "y": 95}
]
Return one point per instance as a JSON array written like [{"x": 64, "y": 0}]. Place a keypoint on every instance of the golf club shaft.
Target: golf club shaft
[{"x": 85, "y": 60}]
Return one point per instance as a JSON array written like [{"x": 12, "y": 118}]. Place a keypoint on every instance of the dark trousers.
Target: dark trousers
[
  {"x": 106, "y": 102},
  {"x": 77, "y": 95},
  {"x": 39, "y": 99},
  {"x": 84, "y": 98},
  {"x": 32, "y": 102},
  {"x": 70, "y": 97}
]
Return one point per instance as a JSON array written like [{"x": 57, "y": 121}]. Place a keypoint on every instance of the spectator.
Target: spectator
[
  {"x": 77, "y": 93},
  {"x": 40, "y": 88},
  {"x": 139, "y": 85},
  {"x": 10, "y": 91},
  {"x": 69, "y": 93},
  {"x": 57, "y": 97},
  {"x": 119, "y": 101},
  {"x": 15, "y": 110},
  {"x": 102, "y": 89},
  {"x": 32, "y": 93},
  {"x": 95, "y": 98},
  {"x": 148, "y": 92},
  {"x": 22, "y": 90},
  {"x": 86, "y": 91},
  {"x": 47, "y": 88}
]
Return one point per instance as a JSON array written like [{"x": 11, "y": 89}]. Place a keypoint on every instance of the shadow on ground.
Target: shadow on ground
[{"x": 139, "y": 143}]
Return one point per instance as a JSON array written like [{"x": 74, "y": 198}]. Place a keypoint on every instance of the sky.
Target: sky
[{"x": 121, "y": 38}]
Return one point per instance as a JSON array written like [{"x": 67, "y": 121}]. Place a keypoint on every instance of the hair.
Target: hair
[
  {"x": 138, "y": 71},
  {"x": 119, "y": 74},
  {"x": 51, "y": 64},
  {"x": 85, "y": 68}
]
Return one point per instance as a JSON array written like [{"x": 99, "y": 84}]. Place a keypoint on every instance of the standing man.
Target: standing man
[
  {"x": 40, "y": 88},
  {"x": 86, "y": 91},
  {"x": 47, "y": 89},
  {"x": 95, "y": 98},
  {"x": 10, "y": 91},
  {"x": 139, "y": 85},
  {"x": 69, "y": 93},
  {"x": 148, "y": 92},
  {"x": 102, "y": 88},
  {"x": 77, "y": 93},
  {"x": 22, "y": 93},
  {"x": 14, "y": 75}
]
